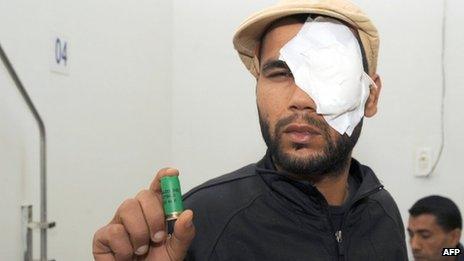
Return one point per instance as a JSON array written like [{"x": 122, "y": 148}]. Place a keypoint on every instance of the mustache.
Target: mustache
[{"x": 311, "y": 121}]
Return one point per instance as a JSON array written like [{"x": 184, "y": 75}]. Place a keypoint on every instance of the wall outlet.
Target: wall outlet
[{"x": 423, "y": 162}]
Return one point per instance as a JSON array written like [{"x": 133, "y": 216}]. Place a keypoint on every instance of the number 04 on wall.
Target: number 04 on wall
[{"x": 59, "y": 55}]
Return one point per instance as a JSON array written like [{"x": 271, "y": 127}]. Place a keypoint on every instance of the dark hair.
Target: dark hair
[
  {"x": 444, "y": 209},
  {"x": 301, "y": 18}
]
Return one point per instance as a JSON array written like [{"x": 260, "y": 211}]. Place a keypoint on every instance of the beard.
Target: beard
[{"x": 334, "y": 157}]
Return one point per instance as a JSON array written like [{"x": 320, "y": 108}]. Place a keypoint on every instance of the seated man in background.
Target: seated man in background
[{"x": 435, "y": 223}]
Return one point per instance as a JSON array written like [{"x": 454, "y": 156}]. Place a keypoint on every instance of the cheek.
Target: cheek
[
  {"x": 270, "y": 114},
  {"x": 434, "y": 246},
  {"x": 330, "y": 134},
  {"x": 271, "y": 103}
]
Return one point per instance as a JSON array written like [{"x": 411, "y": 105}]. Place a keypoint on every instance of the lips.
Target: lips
[
  {"x": 301, "y": 133},
  {"x": 302, "y": 129}
]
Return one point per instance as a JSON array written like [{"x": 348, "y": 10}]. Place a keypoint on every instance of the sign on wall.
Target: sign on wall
[{"x": 59, "y": 55}]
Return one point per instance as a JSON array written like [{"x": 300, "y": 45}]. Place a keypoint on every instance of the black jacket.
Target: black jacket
[{"x": 256, "y": 213}]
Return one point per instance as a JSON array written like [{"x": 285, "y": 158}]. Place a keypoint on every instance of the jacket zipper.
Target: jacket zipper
[
  {"x": 339, "y": 233},
  {"x": 338, "y": 236},
  {"x": 339, "y": 239}
]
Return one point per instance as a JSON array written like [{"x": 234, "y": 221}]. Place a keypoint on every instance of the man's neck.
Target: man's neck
[{"x": 333, "y": 186}]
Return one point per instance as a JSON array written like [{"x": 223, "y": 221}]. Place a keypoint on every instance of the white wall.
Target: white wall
[
  {"x": 215, "y": 123},
  {"x": 108, "y": 121}
]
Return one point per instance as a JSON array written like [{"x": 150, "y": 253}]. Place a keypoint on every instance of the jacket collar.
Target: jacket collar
[
  {"x": 461, "y": 256},
  {"x": 294, "y": 190}
]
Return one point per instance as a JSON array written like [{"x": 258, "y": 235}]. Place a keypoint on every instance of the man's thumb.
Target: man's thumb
[{"x": 184, "y": 232}]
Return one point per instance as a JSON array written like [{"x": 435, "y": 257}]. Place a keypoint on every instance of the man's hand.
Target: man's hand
[{"x": 138, "y": 230}]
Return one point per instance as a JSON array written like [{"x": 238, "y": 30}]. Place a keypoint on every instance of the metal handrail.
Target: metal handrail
[{"x": 44, "y": 224}]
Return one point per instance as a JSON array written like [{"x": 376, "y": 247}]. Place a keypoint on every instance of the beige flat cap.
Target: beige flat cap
[{"x": 249, "y": 33}]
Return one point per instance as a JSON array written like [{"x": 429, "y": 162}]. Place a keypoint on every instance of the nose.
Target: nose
[
  {"x": 415, "y": 244},
  {"x": 300, "y": 101}
]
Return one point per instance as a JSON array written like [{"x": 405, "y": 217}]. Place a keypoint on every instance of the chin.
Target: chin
[
  {"x": 302, "y": 150},
  {"x": 302, "y": 154}
]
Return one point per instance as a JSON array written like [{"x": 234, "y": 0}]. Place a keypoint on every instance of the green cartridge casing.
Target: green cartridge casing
[{"x": 172, "y": 197}]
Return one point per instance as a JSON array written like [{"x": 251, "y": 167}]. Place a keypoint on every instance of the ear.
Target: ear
[
  {"x": 370, "y": 108},
  {"x": 455, "y": 236}
]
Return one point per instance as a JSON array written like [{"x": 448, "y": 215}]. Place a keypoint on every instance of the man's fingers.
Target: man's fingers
[
  {"x": 130, "y": 215},
  {"x": 184, "y": 232},
  {"x": 111, "y": 243},
  {"x": 152, "y": 209},
  {"x": 136, "y": 223},
  {"x": 156, "y": 185},
  {"x": 104, "y": 257},
  {"x": 100, "y": 246}
]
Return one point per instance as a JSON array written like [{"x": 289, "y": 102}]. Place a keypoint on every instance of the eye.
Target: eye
[
  {"x": 280, "y": 74},
  {"x": 425, "y": 235}
]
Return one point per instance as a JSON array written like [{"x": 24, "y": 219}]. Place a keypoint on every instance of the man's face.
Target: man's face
[
  {"x": 427, "y": 238},
  {"x": 300, "y": 141}
]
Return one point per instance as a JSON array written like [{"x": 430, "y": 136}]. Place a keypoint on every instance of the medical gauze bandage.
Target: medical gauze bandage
[{"x": 326, "y": 62}]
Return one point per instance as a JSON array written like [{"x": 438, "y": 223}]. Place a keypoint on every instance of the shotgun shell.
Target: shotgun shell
[{"x": 172, "y": 200}]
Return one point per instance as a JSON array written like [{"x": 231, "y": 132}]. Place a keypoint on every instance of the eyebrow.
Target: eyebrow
[
  {"x": 273, "y": 64},
  {"x": 419, "y": 231},
  {"x": 423, "y": 231}
]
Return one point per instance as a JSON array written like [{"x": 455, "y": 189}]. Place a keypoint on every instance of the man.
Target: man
[
  {"x": 307, "y": 199},
  {"x": 435, "y": 223}
]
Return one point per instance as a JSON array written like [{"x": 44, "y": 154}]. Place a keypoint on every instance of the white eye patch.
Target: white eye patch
[{"x": 326, "y": 62}]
